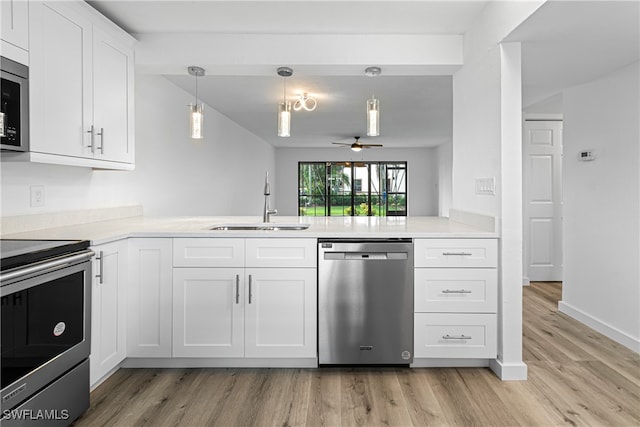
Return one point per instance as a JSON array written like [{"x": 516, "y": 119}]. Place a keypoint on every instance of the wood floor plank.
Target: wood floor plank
[
  {"x": 420, "y": 399},
  {"x": 577, "y": 377},
  {"x": 325, "y": 399}
]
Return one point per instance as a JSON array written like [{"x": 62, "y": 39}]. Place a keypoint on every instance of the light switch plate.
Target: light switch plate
[{"x": 486, "y": 186}]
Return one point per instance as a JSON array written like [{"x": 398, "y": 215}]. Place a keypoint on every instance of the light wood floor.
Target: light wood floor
[{"x": 577, "y": 377}]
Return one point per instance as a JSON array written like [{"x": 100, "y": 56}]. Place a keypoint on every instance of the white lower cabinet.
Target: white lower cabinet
[
  {"x": 280, "y": 312},
  {"x": 208, "y": 312},
  {"x": 149, "y": 297},
  {"x": 108, "y": 316},
  {"x": 455, "y": 336},
  {"x": 456, "y": 299},
  {"x": 246, "y": 310}
]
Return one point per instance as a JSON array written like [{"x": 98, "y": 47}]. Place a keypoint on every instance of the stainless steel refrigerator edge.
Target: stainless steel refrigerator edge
[{"x": 365, "y": 301}]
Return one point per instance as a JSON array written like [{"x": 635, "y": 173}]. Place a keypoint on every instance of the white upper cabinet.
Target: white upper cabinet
[
  {"x": 15, "y": 29},
  {"x": 113, "y": 114},
  {"x": 60, "y": 80},
  {"x": 81, "y": 88}
]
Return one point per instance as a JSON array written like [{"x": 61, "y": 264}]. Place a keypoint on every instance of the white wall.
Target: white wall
[
  {"x": 601, "y": 285},
  {"x": 221, "y": 175},
  {"x": 445, "y": 177},
  {"x": 487, "y": 143},
  {"x": 422, "y": 171},
  {"x": 65, "y": 188}
]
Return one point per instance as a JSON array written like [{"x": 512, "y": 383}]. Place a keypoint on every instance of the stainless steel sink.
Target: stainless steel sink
[{"x": 259, "y": 227}]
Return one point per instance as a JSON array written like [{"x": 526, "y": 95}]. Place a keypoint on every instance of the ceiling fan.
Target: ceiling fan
[{"x": 357, "y": 145}]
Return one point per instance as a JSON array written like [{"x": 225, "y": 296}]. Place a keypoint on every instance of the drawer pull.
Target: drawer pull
[
  {"x": 461, "y": 291},
  {"x": 456, "y": 337},
  {"x": 457, "y": 253}
]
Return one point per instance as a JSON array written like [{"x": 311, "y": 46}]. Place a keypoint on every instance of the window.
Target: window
[{"x": 352, "y": 188}]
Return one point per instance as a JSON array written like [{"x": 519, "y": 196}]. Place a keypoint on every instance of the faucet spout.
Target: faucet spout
[{"x": 267, "y": 212}]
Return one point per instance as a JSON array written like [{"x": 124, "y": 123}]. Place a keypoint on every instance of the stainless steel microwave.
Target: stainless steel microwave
[{"x": 14, "y": 108}]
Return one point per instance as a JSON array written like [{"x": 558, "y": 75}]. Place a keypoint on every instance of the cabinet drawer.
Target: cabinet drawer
[
  {"x": 456, "y": 253},
  {"x": 204, "y": 252},
  {"x": 456, "y": 335},
  {"x": 281, "y": 253},
  {"x": 447, "y": 290}
]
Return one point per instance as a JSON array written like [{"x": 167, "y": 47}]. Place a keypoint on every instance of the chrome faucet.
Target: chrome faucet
[{"x": 267, "y": 192}]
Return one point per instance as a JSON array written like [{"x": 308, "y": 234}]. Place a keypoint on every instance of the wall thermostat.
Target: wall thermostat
[{"x": 586, "y": 155}]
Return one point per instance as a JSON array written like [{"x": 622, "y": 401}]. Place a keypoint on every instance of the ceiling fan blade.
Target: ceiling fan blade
[
  {"x": 342, "y": 143},
  {"x": 370, "y": 145}
]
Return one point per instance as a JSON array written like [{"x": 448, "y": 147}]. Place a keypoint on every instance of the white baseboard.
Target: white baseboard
[
  {"x": 510, "y": 371},
  {"x": 201, "y": 362},
  {"x": 600, "y": 326},
  {"x": 526, "y": 281},
  {"x": 449, "y": 363}
]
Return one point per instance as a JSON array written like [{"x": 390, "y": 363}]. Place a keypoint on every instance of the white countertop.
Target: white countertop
[{"x": 321, "y": 227}]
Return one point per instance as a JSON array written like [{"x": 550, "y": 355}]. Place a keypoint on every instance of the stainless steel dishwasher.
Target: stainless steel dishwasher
[{"x": 365, "y": 301}]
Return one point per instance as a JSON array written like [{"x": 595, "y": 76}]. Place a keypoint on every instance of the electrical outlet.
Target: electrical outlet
[{"x": 37, "y": 196}]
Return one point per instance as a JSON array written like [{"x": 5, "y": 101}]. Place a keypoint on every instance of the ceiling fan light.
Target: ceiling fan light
[
  {"x": 356, "y": 148},
  {"x": 373, "y": 117},
  {"x": 284, "y": 119}
]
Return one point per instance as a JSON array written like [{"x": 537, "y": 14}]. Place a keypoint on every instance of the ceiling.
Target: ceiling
[{"x": 564, "y": 43}]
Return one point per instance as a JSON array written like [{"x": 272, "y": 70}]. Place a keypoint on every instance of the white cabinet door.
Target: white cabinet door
[
  {"x": 59, "y": 80},
  {"x": 208, "y": 312},
  {"x": 112, "y": 99},
  {"x": 15, "y": 23},
  {"x": 456, "y": 253},
  {"x": 203, "y": 252},
  {"x": 450, "y": 290},
  {"x": 149, "y": 298},
  {"x": 455, "y": 336},
  {"x": 285, "y": 253},
  {"x": 280, "y": 312},
  {"x": 108, "y": 333}
]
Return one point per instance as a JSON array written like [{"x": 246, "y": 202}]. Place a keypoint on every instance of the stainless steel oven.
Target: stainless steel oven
[
  {"x": 45, "y": 294},
  {"x": 14, "y": 106}
]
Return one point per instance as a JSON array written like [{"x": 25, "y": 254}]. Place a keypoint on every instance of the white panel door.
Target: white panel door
[
  {"x": 59, "y": 80},
  {"x": 208, "y": 312},
  {"x": 542, "y": 198},
  {"x": 280, "y": 312},
  {"x": 108, "y": 333},
  {"x": 149, "y": 297},
  {"x": 113, "y": 99}
]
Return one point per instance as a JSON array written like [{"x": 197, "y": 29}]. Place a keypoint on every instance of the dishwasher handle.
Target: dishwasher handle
[{"x": 365, "y": 256}]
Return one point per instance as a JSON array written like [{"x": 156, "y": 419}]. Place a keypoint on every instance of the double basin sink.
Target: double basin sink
[{"x": 259, "y": 227}]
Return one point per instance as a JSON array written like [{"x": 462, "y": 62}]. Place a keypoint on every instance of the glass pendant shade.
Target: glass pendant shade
[
  {"x": 196, "y": 121},
  {"x": 284, "y": 119},
  {"x": 373, "y": 117}
]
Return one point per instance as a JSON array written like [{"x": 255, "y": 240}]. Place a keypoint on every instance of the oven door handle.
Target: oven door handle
[{"x": 54, "y": 264}]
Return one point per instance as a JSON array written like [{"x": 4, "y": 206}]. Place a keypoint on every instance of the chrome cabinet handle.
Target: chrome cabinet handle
[
  {"x": 92, "y": 139},
  {"x": 250, "y": 292},
  {"x": 100, "y": 259},
  {"x": 101, "y": 134},
  {"x": 237, "y": 289},
  {"x": 457, "y": 253},
  {"x": 461, "y": 291},
  {"x": 456, "y": 337}
]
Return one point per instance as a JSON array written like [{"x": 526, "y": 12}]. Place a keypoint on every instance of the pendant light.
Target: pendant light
[
  {"x": 373, "y": 106},
  {"x": 284, "y": 108},
  {"x": 196, "y": 111}
]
